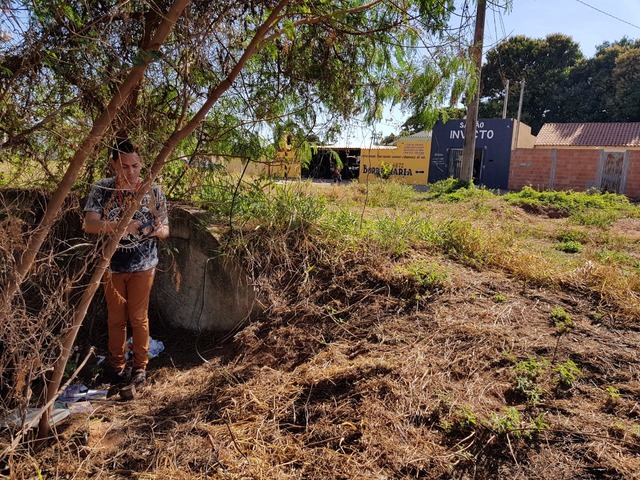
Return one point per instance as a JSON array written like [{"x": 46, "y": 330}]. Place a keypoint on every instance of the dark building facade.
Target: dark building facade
[
  {"x": 322, "y": 159},
  {"x": 494, "y": 142}
]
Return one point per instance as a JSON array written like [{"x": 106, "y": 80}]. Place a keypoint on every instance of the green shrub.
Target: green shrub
[
  {"x": 461, "y": 421},
  {"x": 461, "y": 240},
  {"x": 590, "y": 208},
  {"x": 530, "y": 368},
  {"x": 445, "y": 187},
  {"x": 561, "y": 319},
  {"x": 511, "y": 423},
  {"x": 572, "y": 235},
  {"x": 567, "y": 373},
  {"x": 613, "y": 393},
  {"x": 386, "y": 169},
  {"x": 276, "y": 206},
  {"x": 341, "y": 223},
  {"x": 385, "y": 194},
  {"x": 570, "y": 247},
  {"x": 529, "y": 389},
  {"x": 396, "y": 234},
  {"x": 613, "y": 257},
  {"x": 526, "y": 373},
  {"x": 428, "y": 274}
]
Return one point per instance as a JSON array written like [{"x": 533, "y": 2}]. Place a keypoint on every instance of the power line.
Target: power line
[{"x": 608, "y": 14}]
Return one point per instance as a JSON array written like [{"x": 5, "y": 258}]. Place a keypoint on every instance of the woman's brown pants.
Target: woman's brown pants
[{"x": 127, "y": 296}]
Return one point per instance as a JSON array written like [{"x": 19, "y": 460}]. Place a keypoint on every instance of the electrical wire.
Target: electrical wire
[{"x": 608, "y": 14}]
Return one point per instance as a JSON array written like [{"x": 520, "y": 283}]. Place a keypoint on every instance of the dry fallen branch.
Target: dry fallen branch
[{"x": 27, "y": 426}]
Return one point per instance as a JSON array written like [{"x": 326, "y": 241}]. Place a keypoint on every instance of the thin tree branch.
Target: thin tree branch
[
  {"x": 321, "y": 18},
  {"x": 99, "y": 129},
  {"x": 29, "y": 425}
]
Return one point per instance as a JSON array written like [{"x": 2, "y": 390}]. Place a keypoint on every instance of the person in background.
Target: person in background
[
  {"x": 128, "y": 281},
  {"x": 337, "y": 175}
]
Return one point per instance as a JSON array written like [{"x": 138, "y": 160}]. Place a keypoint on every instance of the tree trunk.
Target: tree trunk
[
  {"x": 469, "y": 150},
  {"x": 99, "y": 129},
  {"x": 156, "y": 167}
]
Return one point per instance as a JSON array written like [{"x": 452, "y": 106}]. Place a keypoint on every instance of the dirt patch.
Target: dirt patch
[
  {"x": 629, "y": 227},
  {"x": 356, "y": 370},
  {"x": 359, "y": 373},
  {"x": 549, "y": 211}
]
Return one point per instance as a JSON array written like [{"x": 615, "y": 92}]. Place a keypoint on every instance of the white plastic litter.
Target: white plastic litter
[
  {"x": 29, "y": 417},
  {"x": 155, "y": 348},
  {"x": 76, "y": 393},
  {"x": 73, "y": 393}
]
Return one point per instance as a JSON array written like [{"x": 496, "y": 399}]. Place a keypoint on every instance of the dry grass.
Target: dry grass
[{"x": 356, "y": 370}]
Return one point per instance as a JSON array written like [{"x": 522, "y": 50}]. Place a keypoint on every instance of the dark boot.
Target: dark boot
[{"x": 138, "y": 377}]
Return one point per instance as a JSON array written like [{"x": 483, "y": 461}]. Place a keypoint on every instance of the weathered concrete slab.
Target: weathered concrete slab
[{"x": 196, "y": 287}]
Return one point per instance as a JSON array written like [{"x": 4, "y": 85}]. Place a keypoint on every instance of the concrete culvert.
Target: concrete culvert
[{"x": 196, "y": 287}]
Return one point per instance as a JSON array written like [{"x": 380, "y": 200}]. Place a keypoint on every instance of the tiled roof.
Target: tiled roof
[
  {"x": 422, "y": 134},
  {"x": 590, "y": 134}
]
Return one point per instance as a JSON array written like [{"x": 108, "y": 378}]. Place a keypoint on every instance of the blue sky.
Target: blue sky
[{"x": 589, "y": 22}]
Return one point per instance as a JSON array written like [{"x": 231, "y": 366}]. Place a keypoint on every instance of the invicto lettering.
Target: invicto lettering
[{"x": 482, "y": 134}]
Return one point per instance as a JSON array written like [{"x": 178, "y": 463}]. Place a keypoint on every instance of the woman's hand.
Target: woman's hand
[
  {"x": 134, "y": 227},
  {"x": 160, "y": 230}
]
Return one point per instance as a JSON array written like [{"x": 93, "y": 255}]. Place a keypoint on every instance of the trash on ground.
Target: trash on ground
[
  {"x": 30, "y": 417},
  {"x": 73, "y": 393},
  {"x": 155, "y": 348},
  {"x": 76, "y": 393}
]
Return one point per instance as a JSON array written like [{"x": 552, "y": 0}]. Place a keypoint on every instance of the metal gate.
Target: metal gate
[
  {"x": 612, "y": 172},
  {"x": 455, "y": 162}
]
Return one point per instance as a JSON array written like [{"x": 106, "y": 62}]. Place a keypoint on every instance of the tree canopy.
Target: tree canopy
[
  {"x": 186, "y": 79},
  {"x": 317, "y": 65},
  {"x": 561, "y": 85}
]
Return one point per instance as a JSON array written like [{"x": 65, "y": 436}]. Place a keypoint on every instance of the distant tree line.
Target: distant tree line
[{"x": 561, "y": 85}]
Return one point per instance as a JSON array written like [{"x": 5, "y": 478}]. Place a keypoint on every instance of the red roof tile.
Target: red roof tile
[{"x": 590, "y": 134}]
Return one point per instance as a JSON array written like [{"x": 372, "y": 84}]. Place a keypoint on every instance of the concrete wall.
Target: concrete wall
[
  {"x": 196, "y": 287},
  {"x": 522, "y": 137},
  {"x": 569, "y": 169}
]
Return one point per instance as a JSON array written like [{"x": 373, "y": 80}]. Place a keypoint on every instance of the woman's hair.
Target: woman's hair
[{"x": 122, "y": 145}]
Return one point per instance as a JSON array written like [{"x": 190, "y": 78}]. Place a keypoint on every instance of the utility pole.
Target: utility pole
[
  {"x": 519, "y": 111},
  {"x": 469, "y": 150},
  {"x": 506, "y": 100}
]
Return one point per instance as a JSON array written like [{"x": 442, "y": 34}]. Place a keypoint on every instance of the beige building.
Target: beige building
[{"x": 407, "y": 162}]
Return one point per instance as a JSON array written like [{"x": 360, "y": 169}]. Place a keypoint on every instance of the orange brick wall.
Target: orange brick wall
[
  {"x": 530, "y": 167},
  {"x": 575, "y": 169},
  {"x": 632, "y": 186}
]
